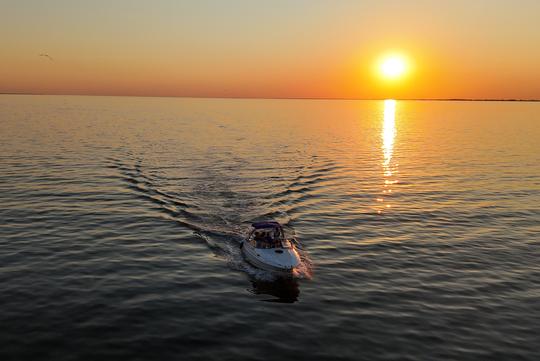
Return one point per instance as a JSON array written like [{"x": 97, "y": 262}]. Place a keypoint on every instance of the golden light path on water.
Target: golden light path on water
[{"x": 388, "y": 135}]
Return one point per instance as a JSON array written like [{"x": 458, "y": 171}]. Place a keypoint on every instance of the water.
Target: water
[{"x": 121, "y": 220}]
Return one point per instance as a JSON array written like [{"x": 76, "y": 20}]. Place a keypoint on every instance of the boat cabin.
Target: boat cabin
[{"x": 268, "y": 235}]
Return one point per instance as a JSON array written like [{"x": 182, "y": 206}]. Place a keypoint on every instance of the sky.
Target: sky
[{"x": 301, "y": 49}]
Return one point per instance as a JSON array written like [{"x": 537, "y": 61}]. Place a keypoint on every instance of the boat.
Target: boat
[{"x": 267, "y": 248}]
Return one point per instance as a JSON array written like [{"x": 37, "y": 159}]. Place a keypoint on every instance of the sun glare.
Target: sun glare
[{"x": 393, "y": 67}]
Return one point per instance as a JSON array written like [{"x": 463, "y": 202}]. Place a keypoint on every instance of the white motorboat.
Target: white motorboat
[{"x": 267, "y": 248}]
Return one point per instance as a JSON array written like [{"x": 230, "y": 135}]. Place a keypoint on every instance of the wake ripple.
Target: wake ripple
[{"x": 221, "y": 235}]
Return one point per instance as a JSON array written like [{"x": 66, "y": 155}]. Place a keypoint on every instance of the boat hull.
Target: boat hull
[{"x": 251, "y": 255}]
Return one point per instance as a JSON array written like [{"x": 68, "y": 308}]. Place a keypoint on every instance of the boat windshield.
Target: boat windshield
[{"x": 269, "y": 238}]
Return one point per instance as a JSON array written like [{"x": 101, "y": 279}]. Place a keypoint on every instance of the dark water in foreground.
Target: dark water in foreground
[{"x": 120, "y": 222}]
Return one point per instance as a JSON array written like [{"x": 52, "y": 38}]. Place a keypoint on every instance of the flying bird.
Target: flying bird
[{"x": 47, "y": 56}]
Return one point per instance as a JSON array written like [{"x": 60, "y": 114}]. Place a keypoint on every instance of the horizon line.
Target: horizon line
[{"x": 286, "y": 98}]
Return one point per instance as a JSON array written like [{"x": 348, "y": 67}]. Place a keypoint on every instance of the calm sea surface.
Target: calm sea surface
[{"x": 121, "y": 219}]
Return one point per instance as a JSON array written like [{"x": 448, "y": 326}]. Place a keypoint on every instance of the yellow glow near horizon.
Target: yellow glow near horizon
[{"x": 393, "y": 66}]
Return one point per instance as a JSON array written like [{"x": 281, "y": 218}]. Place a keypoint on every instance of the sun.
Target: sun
[{"x": 393, "y": 66}]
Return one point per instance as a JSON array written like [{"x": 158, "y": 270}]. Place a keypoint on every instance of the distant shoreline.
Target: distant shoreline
[{"x": 288, "y": 98}]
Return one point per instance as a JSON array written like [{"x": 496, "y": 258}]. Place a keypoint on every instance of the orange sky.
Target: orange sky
[{"x": 457, "y": 49}]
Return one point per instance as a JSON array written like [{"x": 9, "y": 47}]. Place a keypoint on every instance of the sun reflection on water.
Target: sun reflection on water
[{"x": 388, "y": 135}]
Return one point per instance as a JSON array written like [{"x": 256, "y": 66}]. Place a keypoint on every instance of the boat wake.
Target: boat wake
[{"x": 219, "y": 218}]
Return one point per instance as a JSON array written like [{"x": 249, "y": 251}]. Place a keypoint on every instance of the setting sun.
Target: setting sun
[{"x": 393, "y": 67}]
